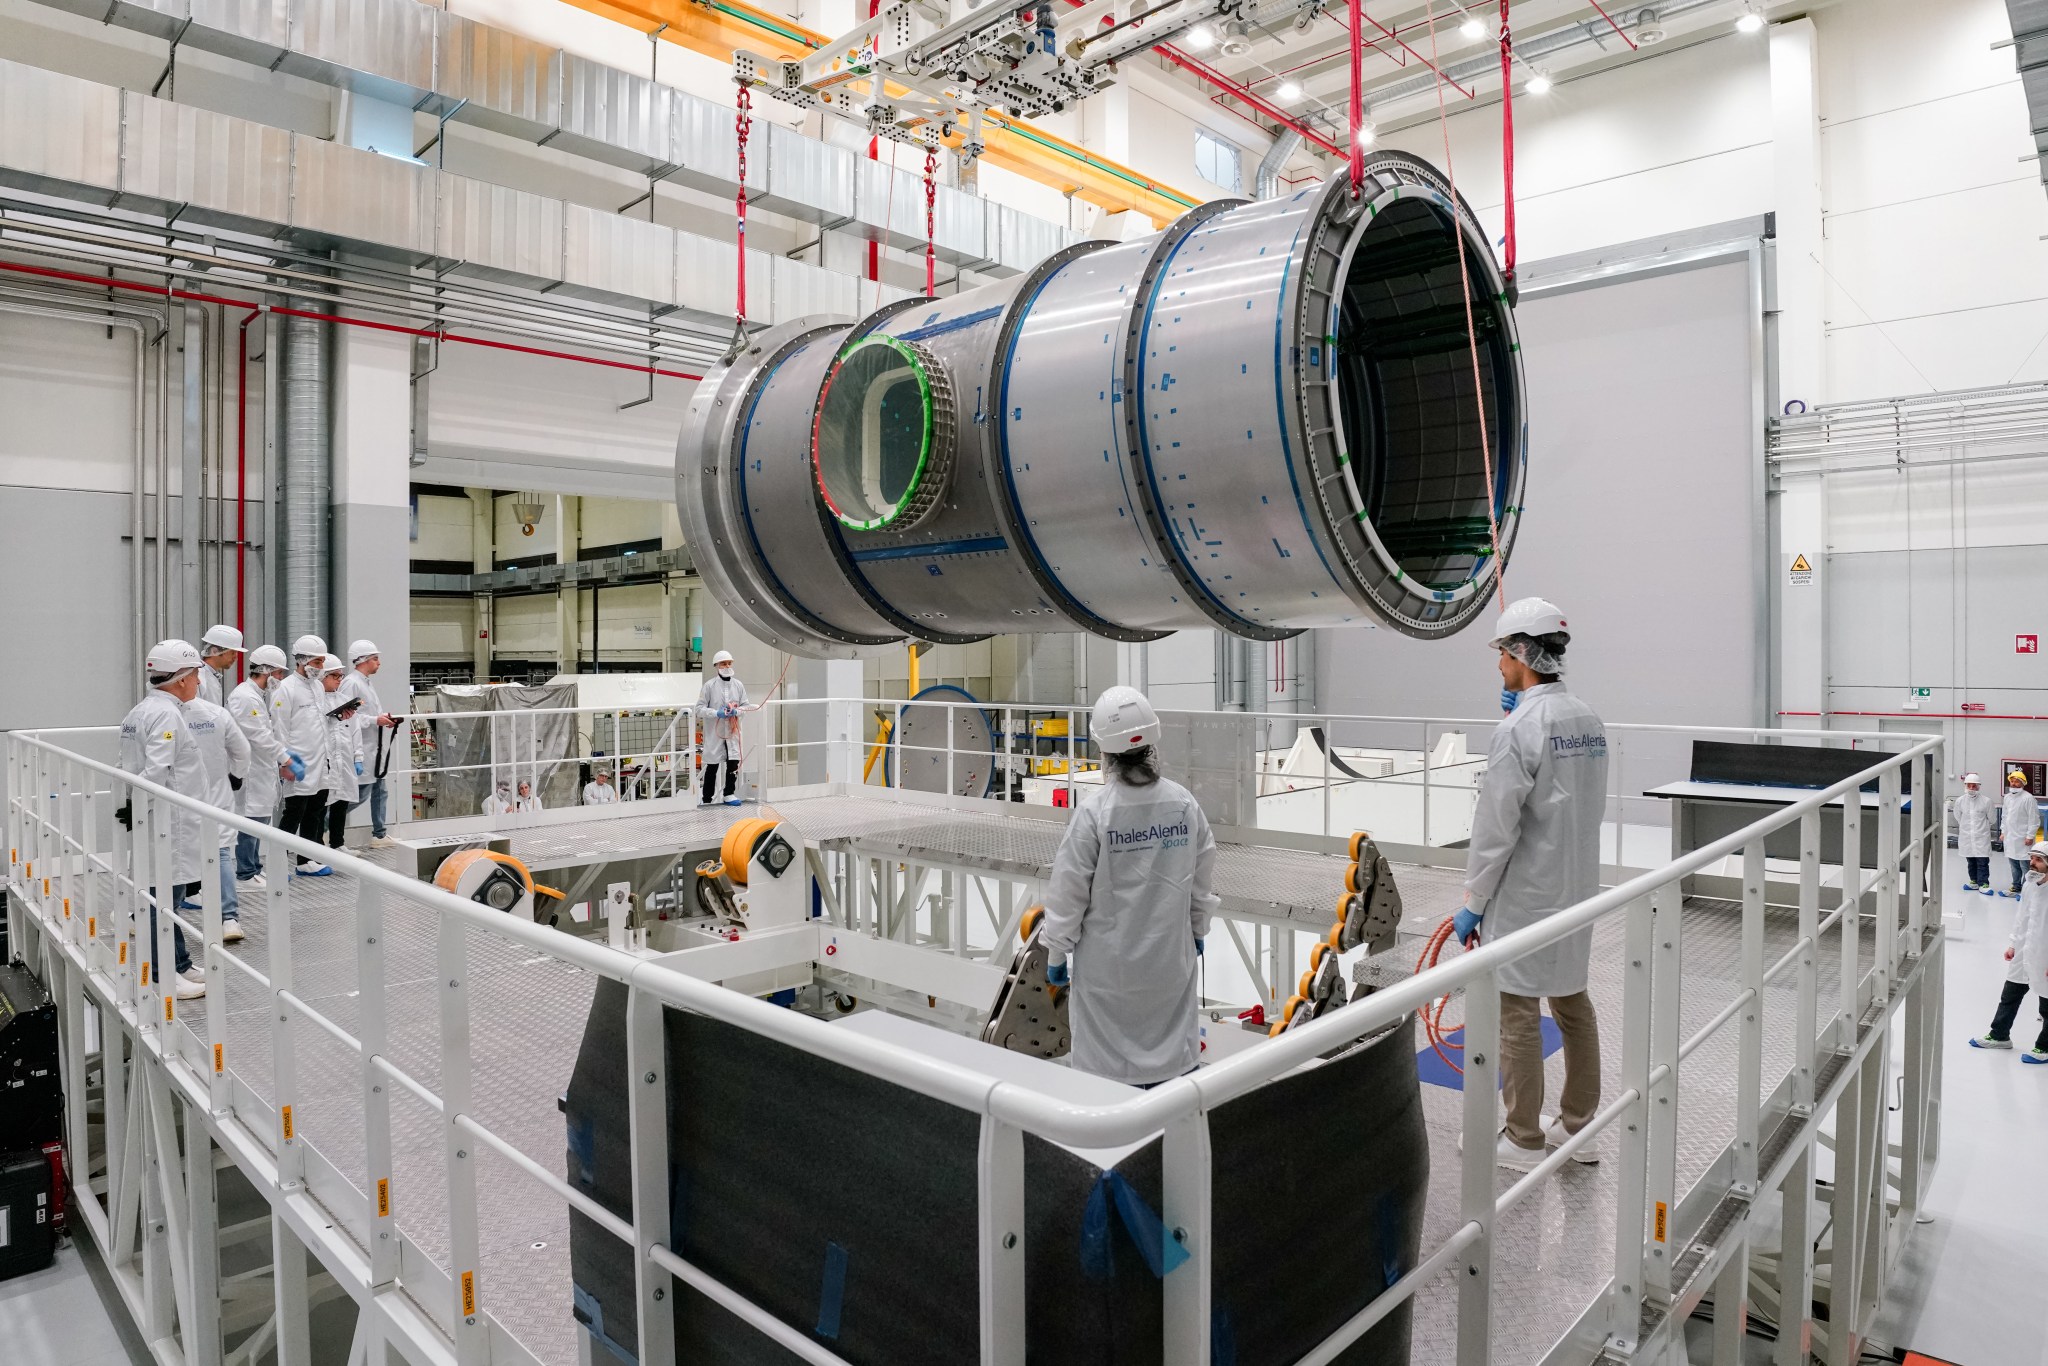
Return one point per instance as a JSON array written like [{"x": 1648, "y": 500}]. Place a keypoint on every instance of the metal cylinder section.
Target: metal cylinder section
[{"x": 1299, "y": 412}]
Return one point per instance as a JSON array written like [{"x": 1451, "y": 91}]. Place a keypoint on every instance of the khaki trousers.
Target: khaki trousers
[{"x": 1521, "y": 1063}]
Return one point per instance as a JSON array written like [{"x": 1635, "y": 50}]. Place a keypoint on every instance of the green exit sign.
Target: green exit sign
[{"x": 1923, "y": 692}]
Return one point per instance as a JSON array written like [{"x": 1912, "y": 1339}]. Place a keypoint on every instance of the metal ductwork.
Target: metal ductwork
[
  {"x": 1061, "y": 451},
  {"x": 1266, "y": 181},
  {"x": 2030, "y": 59},
  {"x": 306, "y": 474}
]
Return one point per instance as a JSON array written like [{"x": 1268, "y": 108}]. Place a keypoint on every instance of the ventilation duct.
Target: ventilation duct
[{"x": 306, "y": 472}]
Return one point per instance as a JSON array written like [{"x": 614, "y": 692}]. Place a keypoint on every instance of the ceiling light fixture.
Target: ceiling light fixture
[
  {"x": 1200, "y": 38},
  {"x": 1472, "y": 30},
  {"x": 1236, "y": 40},
  {"x": 1750, "y": 22},
  {"x": 1539, "y": 84},
  {"x": 1287, "y": 92},
  {"x": 1649, "y": 32}
]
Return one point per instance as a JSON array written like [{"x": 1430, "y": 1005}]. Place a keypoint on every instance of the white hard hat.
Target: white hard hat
[
  {"x": 331, "y": 664},
  {"x": 359, "y": 650},
  {"x": 267, "y": 657},
  {"x": 1123, "y": 721},
  {"x": 1529, "y": 617},
  {"x": 722, "y": 657},
  {"x": 223, "y": 638},
  {"x": 171, "y": 657},
  {"x": 2038, "y": 849},
  {"x": 307, "y": 647},
  {"x": 1972, "y": 780}
]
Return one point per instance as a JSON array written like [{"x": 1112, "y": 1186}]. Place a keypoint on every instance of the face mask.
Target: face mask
[
  {"x": 1508, "y": 699},
  {"x": 724, "y": 671}
]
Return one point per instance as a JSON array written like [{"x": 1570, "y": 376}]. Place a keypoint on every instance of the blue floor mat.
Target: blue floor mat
[{"x": 1434, "y": 1071}]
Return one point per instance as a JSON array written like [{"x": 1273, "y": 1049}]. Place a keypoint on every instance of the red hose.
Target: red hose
[{"x": 1433, "y": 1013}]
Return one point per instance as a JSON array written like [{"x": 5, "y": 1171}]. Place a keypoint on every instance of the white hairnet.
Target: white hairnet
[{"x": 1544, "y": 658}]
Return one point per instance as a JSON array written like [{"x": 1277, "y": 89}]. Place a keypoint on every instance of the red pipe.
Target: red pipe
[
  {"x": 1248, "y": 95},
  {"x": 1923, "y": 715},
  {"x": 1418, "y": 56},
  {"x": 242, "y": 481}
]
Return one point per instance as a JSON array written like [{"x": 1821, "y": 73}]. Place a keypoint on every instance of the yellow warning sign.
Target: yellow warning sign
[
  {"x": 383, "y": 1197},
  {"x": 287, "y": 1117},
  {"x": 167, "y": 1010},
  {"x": 1800, "y": 572},
  {"x": 145, "y": 973},
  {"x": 92, "y": 927},
  {"x": 122, "y": 956},
  {"x": 469, "y": 1294},
  {"x": 216, "y": 1060},
  {"x": 1799, "y": 564},
  {"x": 67, "y": 908},
  {"x": 1663, "y": 1221}
]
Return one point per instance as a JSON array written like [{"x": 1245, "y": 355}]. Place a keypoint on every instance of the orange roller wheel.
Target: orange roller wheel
[
  {"x": 1316, "y": 952},
  {"x": 1352, "y": 877},
  {"x": 1308, "y": 980},
  {"x": 1030, "y": 921},
  {"x": 1335, "y": 941},
  {"x": 1358, "y": 839},
  {"x": 742, "y": 837}
]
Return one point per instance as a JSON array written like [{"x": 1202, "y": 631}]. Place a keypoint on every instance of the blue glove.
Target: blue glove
[
  {"x": 298, "y": 769},
  {"x": 1198, "y": 948},
  {"x": 1465, "y": 925},
  {"x": 1508, "y": 698},
  {"x": 359, "y": 768},
  {"x": 1059, "y": 974}
]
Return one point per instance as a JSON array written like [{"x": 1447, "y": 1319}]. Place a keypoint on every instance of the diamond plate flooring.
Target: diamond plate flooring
[{"x": 1552, "y": 1256}]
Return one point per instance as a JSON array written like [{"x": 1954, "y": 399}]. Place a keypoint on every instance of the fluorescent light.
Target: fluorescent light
[
  {"x": 1287, "y": 92},
  {"x": 1539, "y": 84},
  {"x": 1750, "y": 22},
  {"x": 1200, "y": 38},
  {"x": 1472, "y": 30}
]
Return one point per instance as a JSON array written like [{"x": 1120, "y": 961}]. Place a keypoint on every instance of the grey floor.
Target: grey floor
[{"x": 1968, "y": 1290}]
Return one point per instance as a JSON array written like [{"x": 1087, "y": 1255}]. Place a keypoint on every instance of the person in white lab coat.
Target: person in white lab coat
[
  {"x": 218, "y": 648},
  {"x": 2019, "y": 822},
  {"x": 719, "y": 705},
  {"x": 225, "y": 751},
  {"x": 2026, "y": 961},
  {"x": 253, "y": 704},
  {"x": 344, "y": 749},
  {"x": 379, "y": 733},
  {"x": 1129, "y": 905},
  {"x": 157, "y": 746},
  {"x": 300, "y": 712},
  {"x": 526, "y": 801},
  {"x": 1973, "y": 812},
  {"x": 599, "y": 790},
  {"x": 1535, "y": 850},
  {"x": 501, "y": 801}
]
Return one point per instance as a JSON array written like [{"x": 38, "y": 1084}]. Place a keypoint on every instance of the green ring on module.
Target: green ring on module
[{"x": 924, "y": 452}]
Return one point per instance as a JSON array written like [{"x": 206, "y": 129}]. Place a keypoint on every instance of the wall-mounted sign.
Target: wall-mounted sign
[
  {"x": 2026, "y": 645},
  {"x": 1800, "y": 572}
]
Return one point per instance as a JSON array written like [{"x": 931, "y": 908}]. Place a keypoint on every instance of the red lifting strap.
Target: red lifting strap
[{"x": 743, "y": 123}]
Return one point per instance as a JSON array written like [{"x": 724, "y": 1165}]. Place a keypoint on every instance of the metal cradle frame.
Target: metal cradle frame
[{"x": 1760, "y": 1228}]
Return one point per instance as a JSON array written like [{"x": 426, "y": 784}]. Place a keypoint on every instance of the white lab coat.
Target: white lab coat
[
  {"x": 2030, "y": 935},
  {"x": 499, "y": 804},
  {"x": 1130, "y": 895},
  {"x": 211, "y": 685},
  {"x": 354, "y": 684},
  {"x": 2019, "y": 822},
  {"x": 225, "y": 752},
  {"x": 344, "y": 752},
  {"x": 721, "y": 733},
  {"x": 599, "y": 794},
  {"x": 526, "y": 805},
  {"x": 300, "y": 713},
  {"x": 255, "y": 712},
  {"x": 1536, "y": 833},
  {"x": 157, "y": 745},
  {"x": 1973, "y": 824}
]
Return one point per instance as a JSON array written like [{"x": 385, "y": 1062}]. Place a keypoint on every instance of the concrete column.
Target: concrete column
[
  {"x": 569, "y": 601},
  {"x": 1796, "y": 197},
  {"x": 372, "y": 531},
  {"x": 828, "y": 733}
]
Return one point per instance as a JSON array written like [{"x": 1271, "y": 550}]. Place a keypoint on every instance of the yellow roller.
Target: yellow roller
[
  {"x": 448, "y": 877},
  {"x": 1358, "y": 839},
  {"x": 742, "y": 837},
  {"x": 1029, "y": 922}
]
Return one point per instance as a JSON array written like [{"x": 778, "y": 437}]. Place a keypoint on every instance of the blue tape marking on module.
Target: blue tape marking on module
[
  {"x": 582, "y": 1147},
  {"x": 1390, "y": 1223},
  {"x": 934, "y": 550},
  {"x": 961, "y": 323},
  {"x": 832, "y": 1292},
  {"x": 1144, "y": 444},
  {"x": 583, "y": 1306},
  {"x": 1222, "y": 1338}
]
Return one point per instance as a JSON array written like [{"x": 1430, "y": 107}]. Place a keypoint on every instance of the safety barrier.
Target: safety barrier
[{"x": 80, "y": 883}]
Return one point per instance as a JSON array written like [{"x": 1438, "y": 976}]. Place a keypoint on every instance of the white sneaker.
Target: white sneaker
[
  {"x": 195, "y": 973},
  {"x": 255, "y": 883},
  {"x": 231, "y": 932},
  {"x": 185, "y": 990},
  {"x": 312, "y": 870},
  {"x": 382, "y": 842},
  {"x": 1554, "y": 1135},
  {"x": 1515, "y": 1157}
]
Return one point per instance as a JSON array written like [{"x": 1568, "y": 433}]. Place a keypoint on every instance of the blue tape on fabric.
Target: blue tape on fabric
[
  {"x": 583, "y": 1147},
  {"x": 832, "y": 1292},
  {"x": 590, "y": 1314},
  {"x": 1390, "y": 1222},
  {"x": 1222, "y": 1338},
  {"x": 1098, "y": 1261}
]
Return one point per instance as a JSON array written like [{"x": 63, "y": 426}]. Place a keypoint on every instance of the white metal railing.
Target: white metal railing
[{"x": 72, "y": 869}]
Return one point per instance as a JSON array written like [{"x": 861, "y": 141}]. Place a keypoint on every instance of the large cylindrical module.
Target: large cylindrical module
[{"x": 1268, "y": 417}]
